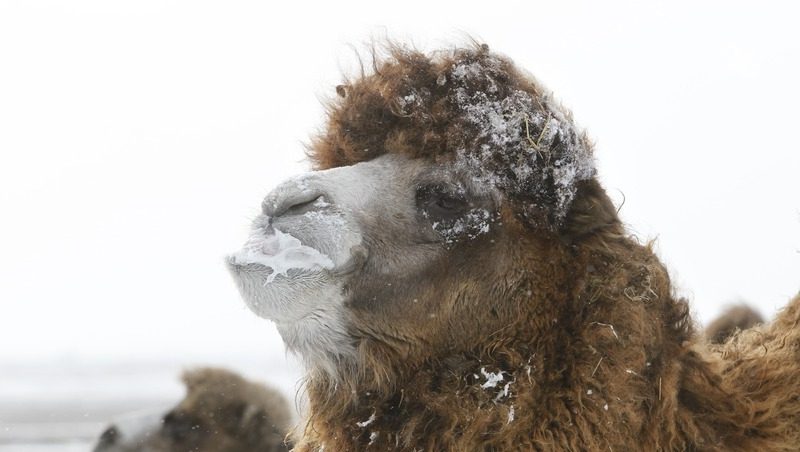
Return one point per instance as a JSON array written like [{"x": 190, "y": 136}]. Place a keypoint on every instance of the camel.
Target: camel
[
  {"x": 455, "y": 278},
  {"x": 734, "y": 319},
  {"x": 221, "y": 412}
]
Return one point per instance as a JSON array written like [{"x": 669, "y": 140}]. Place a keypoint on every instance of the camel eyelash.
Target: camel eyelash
[{"x": 441, "y": 200}]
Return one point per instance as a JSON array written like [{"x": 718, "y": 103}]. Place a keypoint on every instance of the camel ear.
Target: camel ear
[{"x": 591, "y": 211}]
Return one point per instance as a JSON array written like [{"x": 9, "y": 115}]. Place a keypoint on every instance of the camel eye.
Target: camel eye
[
  {"x": 437, "y": 202},
  {"x": 178, "y": 427}
]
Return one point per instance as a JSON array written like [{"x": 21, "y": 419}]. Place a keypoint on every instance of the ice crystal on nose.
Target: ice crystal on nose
[{"x": 280, "y": 252}]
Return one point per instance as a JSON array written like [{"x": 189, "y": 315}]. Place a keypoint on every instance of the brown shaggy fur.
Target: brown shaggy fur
[
  {"x": 594, "y": 349},
  {"x": 734, "y": 319}
]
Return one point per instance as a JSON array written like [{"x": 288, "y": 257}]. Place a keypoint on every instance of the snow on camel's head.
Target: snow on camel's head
[
  {"x": 471, "y": 111},
  {"x": 439, "y": 177}
]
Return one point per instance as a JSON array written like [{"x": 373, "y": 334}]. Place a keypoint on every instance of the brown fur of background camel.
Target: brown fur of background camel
[
  {"x": 554, "y": 329},
  {"x": 221, "y": 412},
  {"x": 732, "y": 320}
]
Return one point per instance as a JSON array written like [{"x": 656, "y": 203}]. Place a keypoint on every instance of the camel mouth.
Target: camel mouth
[
  {"x": 289, "y": 268},
  {"x": 276, "y": 253}
]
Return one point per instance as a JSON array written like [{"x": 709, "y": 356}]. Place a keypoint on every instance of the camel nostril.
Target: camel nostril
[
  {"x": 303, "y": 207},
  {"x": 293, "y": 204},
  {"x": 292, "y": 195}
]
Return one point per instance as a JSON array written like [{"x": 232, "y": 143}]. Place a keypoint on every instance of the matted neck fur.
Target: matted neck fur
[{"x": 455, "y": 278}]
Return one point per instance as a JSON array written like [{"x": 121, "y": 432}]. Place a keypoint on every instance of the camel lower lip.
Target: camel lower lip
[{"x": 255, "y": 267}]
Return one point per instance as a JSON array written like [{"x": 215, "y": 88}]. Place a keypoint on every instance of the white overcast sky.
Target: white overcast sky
[{"x": 137, "y": 139}]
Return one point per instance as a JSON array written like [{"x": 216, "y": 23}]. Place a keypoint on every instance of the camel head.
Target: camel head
[
  {"x": 447, "y": 186},
  {"x": 456, "y": 278},
  {"x": 221, "y": 412}
]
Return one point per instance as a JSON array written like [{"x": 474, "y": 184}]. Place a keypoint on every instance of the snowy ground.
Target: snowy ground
[{"x": 63, "y": 406}]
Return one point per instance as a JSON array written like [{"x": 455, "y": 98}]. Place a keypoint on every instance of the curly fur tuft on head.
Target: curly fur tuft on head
[{"x": 470, "y": 105}]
